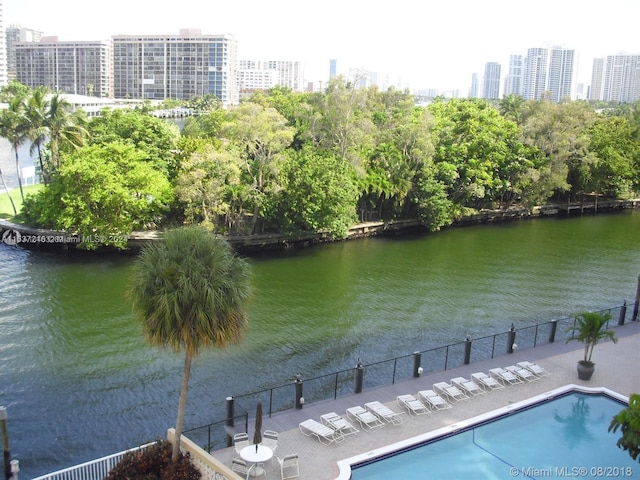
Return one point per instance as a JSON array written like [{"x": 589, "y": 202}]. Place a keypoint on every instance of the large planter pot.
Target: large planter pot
[{"x": 585, "y": 370}]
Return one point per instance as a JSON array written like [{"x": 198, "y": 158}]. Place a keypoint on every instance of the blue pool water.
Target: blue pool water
[{"x": 564, "y": 437}]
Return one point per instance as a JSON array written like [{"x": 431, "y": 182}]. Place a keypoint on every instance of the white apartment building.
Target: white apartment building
[
  {"x": 596, "y": 90},
  {"x": 550, "y": 73},
  {"x": 16, "y": 34},
  {"x": 514, "y": 79},
  {"x": 255, "y": 74},
  {"x": 3, "y": 48},
  {"x": 81, "y": 68},
  {"x": 620, "y": 79},
  {"x": 159, "y": 67},
  {"x": 491, "y": 81}
]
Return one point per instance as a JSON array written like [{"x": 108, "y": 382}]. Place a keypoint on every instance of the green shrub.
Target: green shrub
[{"x": 154, "y": 463}]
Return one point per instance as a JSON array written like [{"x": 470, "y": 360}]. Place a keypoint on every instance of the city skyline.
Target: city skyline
[{"x": 418, "y": 45}]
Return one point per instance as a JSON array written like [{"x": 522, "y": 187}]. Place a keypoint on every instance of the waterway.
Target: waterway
[{"x": 79, "y": 381}]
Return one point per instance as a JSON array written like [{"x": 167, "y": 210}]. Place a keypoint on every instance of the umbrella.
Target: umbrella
[{"x": 257, "y": 434}]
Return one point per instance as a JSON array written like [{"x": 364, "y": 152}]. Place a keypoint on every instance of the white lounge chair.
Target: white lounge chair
[
  {"x": 366, "y": 419},
  {"x": 534, "y": 368},
  {"x": 240, "y": 440},
  {"x": 432, "y": 400},
  {"x": 450, "y": 391},
  {"x": 521, "y": 373},
  {"x": 467, "y": 386},
  {"x": 324, "y": 434},
  {"x": 485, "y": 381},
  {"x": 289, "y": 467},
  {"x": 384, "y": 413},
  {"x": 338, "y": 423},
  {"x": 505, "y": 377},
  {"x": 412, "y": 404}
]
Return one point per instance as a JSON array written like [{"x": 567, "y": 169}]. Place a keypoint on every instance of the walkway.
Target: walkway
[{"x": 616, "y": 365}]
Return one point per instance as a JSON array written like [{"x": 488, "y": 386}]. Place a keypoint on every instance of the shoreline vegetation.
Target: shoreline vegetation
[{"x": 34, "y": 238}]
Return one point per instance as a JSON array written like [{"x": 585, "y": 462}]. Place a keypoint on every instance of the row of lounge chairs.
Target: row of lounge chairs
[{"x": 333, "y": 427}]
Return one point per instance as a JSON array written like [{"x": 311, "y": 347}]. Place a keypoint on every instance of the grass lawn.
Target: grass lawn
[{"x": 6, "y": 211}]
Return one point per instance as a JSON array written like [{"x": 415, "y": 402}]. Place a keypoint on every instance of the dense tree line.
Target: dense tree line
[{"x": 318, "y": 162}]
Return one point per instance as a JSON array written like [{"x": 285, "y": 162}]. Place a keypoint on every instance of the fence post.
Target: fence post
[
  {"x": 623, "y": 313},
  {"x": 636, "y": 303},
  {"x": 511, "y": 339},
  {"x": 5, "y": 443},
  {"x": 552, "y": 333},
  {"x": 467, "y": 350},
  {"x": 299, "y": 397},
  {"x": 230, "y": 419},
  {"x": 357, "y": 388},
  {"x": 417, "y": 369}
]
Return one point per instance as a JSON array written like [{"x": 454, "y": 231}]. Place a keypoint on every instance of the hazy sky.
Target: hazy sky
[{"x": 428, "y": 44}]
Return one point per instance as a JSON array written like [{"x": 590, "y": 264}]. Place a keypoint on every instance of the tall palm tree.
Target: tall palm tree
[
  {"x": 37, "y": 108},
  {"x": 190, "y": 292},
  {"x": 14, "y": 127},
  {"x": 65, "y": 127}
]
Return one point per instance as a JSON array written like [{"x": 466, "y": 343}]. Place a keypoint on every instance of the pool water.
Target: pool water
[{"x": 563, "y": 437}]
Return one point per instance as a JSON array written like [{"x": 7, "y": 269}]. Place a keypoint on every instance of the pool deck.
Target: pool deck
[{"x": 616, "y": 366}]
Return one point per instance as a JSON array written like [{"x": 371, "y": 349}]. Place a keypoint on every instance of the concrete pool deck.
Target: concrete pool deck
[{"x": 616, "y": 366}]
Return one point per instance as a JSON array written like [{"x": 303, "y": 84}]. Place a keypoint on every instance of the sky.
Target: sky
[{"x": 418, "y": 43}]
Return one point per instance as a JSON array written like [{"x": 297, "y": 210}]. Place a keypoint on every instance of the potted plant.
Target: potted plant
[{"x": 589, "y": 329}]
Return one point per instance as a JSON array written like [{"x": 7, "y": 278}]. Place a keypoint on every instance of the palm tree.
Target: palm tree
[
  {"x": 64, "y": 127},
  {"x": 589, "y": 329},
  {"x": 14, "y": 127},
  {"x": 190, "y": 292},
  {"x": 37, "y": 108}
]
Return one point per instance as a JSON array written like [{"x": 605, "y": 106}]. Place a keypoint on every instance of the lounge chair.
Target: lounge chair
[
  {"x": 432, "y": 400},
  {"x": 240, "y": 440},
  {"x": 450, "y": 391},
  {"x": 504, "y": 376},
  {"x": 384, "y": 413},
  {"x": 366, "y": 419},
  {"x": 412, "y": 404},
  {"x": 324, "y": 434},
  {"x": 467, "y": 386},
  {"x": 521, "y": 373},
  {"x": 534, "y": 368},
  {"x": 338, "y": 423},
  {"x": 485, "y": 381},
  {"x": 289, "y": 466}
]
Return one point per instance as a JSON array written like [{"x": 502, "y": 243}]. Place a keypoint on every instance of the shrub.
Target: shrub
[{"x": 154, "y": 463}]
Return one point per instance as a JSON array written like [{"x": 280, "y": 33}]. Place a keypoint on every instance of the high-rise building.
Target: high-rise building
[
  {"x": 474, "y": 91},
  {"x": 159, "y": 67},
  {"x": 563, "y": 66},
  {"x": 536, "y": 65},
  {"x": 3, "y": 48},
  {"x": 333, "y": 68},
  {"x": 287, "y": 73},
  {"x": 16, "y": 34},
  {"x": 82, "y": 68},
  {"x": 491, "y": 81},
  {"x": 514, "y": 79},
  {"x": 622, "y": 79},
  {"x": 596, "y": 90}
]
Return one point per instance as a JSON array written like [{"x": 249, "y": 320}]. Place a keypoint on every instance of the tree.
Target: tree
[
  {"x": 15, "y": 127},
  {"x": 589, "y": 329},
  {"x": 36, "y": 111},
  {"x": 102, "y": 193},
  {"x": 628, "y": 421},
  {"x": 190, "y": 292},
  {"x": 67, "y": 129}
]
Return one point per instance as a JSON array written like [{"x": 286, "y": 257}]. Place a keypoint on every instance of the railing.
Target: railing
[
  {"x": 385, "y": 372},
  {"x": 93, "y": 470}
]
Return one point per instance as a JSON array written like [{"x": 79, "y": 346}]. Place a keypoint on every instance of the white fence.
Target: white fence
[{"x": 93, "y": 470}]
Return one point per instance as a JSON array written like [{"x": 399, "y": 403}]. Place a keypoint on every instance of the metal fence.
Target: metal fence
[{"x": 387, "y": 372}]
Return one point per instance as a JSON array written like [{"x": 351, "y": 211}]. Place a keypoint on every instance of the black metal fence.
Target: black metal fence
[{"x": 387, "y": 372}]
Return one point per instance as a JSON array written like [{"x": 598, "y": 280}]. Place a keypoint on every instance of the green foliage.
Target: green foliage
[
  {"x": 318, "y": 194},
  {"x": 154, "y": 463},
  {"x": 588, "y": 329},
  {"x": 102, "y": 193},
  {"x": 628, "y": 421},
  {"x": 434, "y": 208}
]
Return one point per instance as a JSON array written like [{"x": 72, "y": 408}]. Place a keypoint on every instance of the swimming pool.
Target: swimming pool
[{"x": 561, "y": 435}]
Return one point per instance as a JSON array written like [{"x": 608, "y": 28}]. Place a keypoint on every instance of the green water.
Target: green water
[{"x": 79, "y": 381}]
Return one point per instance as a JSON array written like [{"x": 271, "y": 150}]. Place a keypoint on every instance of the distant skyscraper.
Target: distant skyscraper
[
  {"x": 596, "y": 91},
  {"x": 491, "y": 81},
  {"x": 16, "y": 34},
  {"x": 333, "y": 68},
  {"x": 159, "y": 67},
  {"x": 286, "y": 73},
  {"x": 622, "y": 79},
  {"x": 563, "y": 65},
  {"x": 474, "y": 91},
  {"x": 513, "y": 82},
  {"x": 536, "y": 66},
  {"x": 81, "y": 68},
  {"x": 3, "y": 48}
]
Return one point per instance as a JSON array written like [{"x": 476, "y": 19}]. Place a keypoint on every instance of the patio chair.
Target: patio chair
[
  {"x": 432, "y": 400},
  {"x": 504, "y": 376},
  {"x": 337, "y": 422},
  {"x": 485, "y": 381},
  {"x": 521, "y": 373},
  {"x": 384, "y": 413},
  {"x": 240, "y": 467},
  {"x": 270, "y": 439},
  {"x": 450, "y": 391},
  {"x": 365, "y": 418},
  {"x": 467, "y": 386},
  {"x": 534, "y": 368},
  {"x": 240, "y": 440},
  {"x": 412, "y": 404},
  {"x": 324, "y": 434},
  {"x": 289, "y": 466}
]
